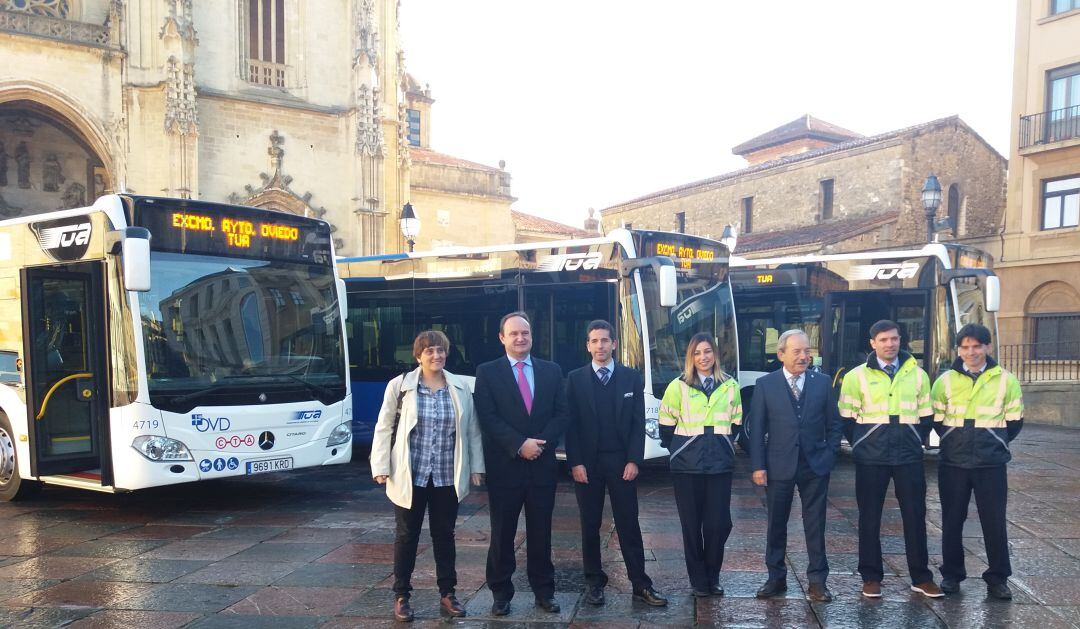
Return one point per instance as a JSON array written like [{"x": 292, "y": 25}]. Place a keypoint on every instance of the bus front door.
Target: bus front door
[
  {"x": 849, "y": 315},
  {"x": 66, "y": 401}
]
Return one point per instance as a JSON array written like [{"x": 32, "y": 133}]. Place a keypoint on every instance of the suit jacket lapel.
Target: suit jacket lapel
[
  {"x": 615, "y": 380},
  {"x": 510, "y": 375},
  {"x": 585, "y": 387}
]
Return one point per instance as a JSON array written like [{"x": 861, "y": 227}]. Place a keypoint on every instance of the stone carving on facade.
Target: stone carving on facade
[
  {"x": 367, "y": 34},
  {"x": 369, "y": 133},
  {"x": 21, "y": 125},
  {"x": 179, "y": 21},
  {"x": 3, "y": 164},
  {"x": 118, "y": 129},
  {"x": 74, "y": 196},
  {"x": 19, "y": 20},
  {"x": 52, "y": 173},
  {"x": 181, "y": 115},
  {"x": 404, "y": 156},
  {"x": 22, "y": 162},
  {"x": 9, "y": 210},
  {"x": 50, "y": 8}
]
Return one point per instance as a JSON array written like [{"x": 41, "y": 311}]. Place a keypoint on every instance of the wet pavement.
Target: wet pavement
[{"x": 314, "y": 548}]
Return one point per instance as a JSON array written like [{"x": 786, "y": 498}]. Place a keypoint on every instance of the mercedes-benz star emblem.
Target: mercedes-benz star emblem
[{"x": 266, "y": 440}]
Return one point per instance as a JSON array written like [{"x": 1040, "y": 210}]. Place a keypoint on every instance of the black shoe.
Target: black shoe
[
  {"x": 500, "y": 608},
  {"x": 950, "y": 586},
  {"x": 449, "y": 606},
  {"x": 999, "y": 591},
  {"x": 772, "y": 587},
  {"x": 716, "y": 589},
  {"x": 402, "y": 611},
  {"x": 594, "y": 595},
  {"x": 650, "y": 596},
  {"x": 549, "y": 605},
  {"x": 701, "y": 593},
  {"x": 818, "y": 593}
]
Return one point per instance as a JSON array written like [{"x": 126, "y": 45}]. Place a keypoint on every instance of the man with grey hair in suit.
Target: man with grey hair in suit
[{"x": 794, "y": 428}]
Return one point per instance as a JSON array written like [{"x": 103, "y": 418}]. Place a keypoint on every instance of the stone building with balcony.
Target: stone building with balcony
[
  {"x": 814, "y": 187},
  {"x": 302, "y": 106},
  {"x": 1038, "y": 252}
]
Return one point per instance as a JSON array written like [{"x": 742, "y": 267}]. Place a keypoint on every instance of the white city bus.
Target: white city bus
[
  {"x": 658, "y": 289},
  {"x": 931, "y": 292},
  {"x": 149, "y": 341}
]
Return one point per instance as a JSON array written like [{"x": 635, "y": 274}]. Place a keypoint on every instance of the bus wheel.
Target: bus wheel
[{"x": 12, "y": 486}]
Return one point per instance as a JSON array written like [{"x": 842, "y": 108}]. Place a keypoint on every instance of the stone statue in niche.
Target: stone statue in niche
[
  {"x": 74, "y": 196},
  {"x": 3, "y": 164},
  {"x": 52, "y": 174},
  {"x": 22, "y": 161}
]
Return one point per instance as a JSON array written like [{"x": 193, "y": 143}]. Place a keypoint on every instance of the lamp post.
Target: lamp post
[
  {"x": 410, "y": 225},
  {"x": 931, "y": 199},
  {"x": 728, "y": 238}
]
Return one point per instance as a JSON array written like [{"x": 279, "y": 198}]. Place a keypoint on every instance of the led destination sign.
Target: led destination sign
[
  {"x": 184, "y": 226},
  {"x": 684, "y": 251}
]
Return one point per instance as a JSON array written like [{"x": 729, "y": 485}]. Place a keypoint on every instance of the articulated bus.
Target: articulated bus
[
  {"x": 658, "y": 289},
  {"x": 149, "y": 341},
  {"x": 930, "y": 292}
]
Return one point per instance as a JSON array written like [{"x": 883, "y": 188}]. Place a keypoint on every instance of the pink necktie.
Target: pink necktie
[{"x": 523, "y": 386}]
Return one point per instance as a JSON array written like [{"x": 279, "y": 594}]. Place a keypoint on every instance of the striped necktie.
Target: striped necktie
[{"x": 604, "y": 374}]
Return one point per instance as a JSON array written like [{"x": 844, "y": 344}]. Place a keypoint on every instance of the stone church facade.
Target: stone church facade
[{"x": 302, "y": 106}]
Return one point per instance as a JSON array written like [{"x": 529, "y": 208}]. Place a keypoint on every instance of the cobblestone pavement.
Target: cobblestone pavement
[{"x": 314, "y": 548}]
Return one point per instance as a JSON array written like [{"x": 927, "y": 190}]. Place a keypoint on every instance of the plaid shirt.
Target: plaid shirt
[{"x": 431, "y": 443}]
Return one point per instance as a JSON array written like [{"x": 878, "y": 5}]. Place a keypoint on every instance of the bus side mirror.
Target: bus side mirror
[
  {"x": 135, "y": 258},
  {"x": 668, "y": 283},
  {"x": 993, "y": 293}
]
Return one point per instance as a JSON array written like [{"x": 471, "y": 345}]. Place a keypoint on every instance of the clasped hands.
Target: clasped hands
[{"x": 531, "y": 449}]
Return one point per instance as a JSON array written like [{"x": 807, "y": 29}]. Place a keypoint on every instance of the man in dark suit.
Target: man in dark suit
[
  {"x": 794, "y": 430},
  {"x": 605, "y": 444},
  {"x": 521, "y": 404}
]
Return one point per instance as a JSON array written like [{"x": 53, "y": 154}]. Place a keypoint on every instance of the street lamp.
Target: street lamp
[
  {"x": 728, "y": 238},
  {"x": 410, "y": 225},
  {"x": 931, "y": 199}
]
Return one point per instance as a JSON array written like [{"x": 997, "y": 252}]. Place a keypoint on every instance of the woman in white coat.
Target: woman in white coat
[{"x": 425, "y": 450}]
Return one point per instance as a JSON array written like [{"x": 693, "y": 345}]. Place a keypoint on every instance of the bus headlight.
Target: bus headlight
[
  {"x": 652, "y": 428},
  {"x": 161, "y": 448},
  {"x": 342, "y": 433}
]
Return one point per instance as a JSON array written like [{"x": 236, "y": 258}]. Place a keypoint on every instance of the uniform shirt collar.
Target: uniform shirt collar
[
  {"x": 610, "y": 366},
  {"x": 513, "y": 361},
  {"x": 895, "y": 362},
  {"x": 788, "y": 375}
]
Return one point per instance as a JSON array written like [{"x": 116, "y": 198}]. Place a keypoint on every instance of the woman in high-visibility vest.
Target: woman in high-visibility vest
[{"x": 700, "y": 416}]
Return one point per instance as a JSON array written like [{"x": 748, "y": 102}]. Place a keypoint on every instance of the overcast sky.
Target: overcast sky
[{"x": 594, "y": 102}]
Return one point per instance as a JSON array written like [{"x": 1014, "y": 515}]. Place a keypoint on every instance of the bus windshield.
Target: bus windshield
[
  {"x": 222, "y": 329},
  {"x": 704, "y": 305}
]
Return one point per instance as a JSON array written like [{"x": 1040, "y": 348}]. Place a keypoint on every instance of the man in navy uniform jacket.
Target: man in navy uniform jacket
[{"x": 794, "y": 429}]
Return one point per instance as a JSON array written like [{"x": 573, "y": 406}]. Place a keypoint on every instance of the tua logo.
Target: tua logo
[
  {"x": 306, "y": 415},
  {"x": 902, "y": 271},
  {"x": 571, "y": 262}
]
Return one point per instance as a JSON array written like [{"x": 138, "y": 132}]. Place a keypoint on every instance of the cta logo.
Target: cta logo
[
  {"x": 64, "y": 239},
  {"x": 206, "y": 424},
  {"x": 234, "y": 441},
  {"x": 571, "y": 262},
  {"x": 903, "y": 271}
]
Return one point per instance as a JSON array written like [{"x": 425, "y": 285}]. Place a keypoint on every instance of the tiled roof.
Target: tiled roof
[
  {"x": 712, "y": 182},
  {"x": 429, "y": 156},
  {"x": 804, "y": 127},
  {"x": 821, "y": 233},
  {"x": 533, "y": 223}
]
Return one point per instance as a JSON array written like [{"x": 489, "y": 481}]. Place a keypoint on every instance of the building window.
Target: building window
[
  {"x": 953, "y": 208},
  {"x": 1061, "y": 6},
  {"x": 826, "y": 199},
  {"x": 413, "y": 118},
  {"x": 680, "y": 221},
  {"x": 1056, "y": 336},
  {"x": 50, "y": 8},
  {"x": 1061, "y": 203},
  {"x": 747, "y": 215},
  {"x": 266, "y": 42}
]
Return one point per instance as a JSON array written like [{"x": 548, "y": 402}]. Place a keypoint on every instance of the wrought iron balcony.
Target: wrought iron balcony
[
  {"x": 54, "y": 28},
  {"x": 1049, "y": 127}
]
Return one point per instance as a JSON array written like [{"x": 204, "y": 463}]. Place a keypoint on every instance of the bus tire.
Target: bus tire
[{"x": 12, "y": 485}]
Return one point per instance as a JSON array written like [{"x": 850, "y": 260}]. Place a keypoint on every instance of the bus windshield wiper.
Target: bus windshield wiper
[{"x": 214, "y": 387}]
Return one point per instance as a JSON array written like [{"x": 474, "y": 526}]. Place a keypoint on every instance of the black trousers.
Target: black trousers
[
  {"x": 441, "y": 504},
  {"x": 909, "y": 484},
  {"x": 607, "y": 474},
  {"x": 813, "y": 492},
  {"x": 704, "y": 503},
  {"x": 991, "y": 488},
  {"x": 505, "y": 504}
]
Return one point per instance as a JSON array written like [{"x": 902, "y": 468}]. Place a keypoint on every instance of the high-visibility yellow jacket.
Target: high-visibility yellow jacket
[
  {"x": 977, "y": 417},
  {"x": 699, "y": 429},
  {"x": 888, "y": 419}
]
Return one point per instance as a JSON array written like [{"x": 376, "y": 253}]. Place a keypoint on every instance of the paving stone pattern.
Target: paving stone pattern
[{"x": 314, "y": 548}]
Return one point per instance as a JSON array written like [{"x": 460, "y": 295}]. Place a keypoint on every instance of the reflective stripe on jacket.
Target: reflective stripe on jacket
[
  {"x": 703, "y": 426},
  {"x": 886, "y": 412},
  {"x": 974, "y": 413}
]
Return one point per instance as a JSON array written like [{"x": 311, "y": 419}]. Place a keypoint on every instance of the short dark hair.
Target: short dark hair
[
  {"x": 511, "y": 315},
  {"x": 973, "y": 331},
  {"x": 885, "y": 325},
  {"x": 429, "y": 338},
  {"x": 600, "y": 324}
]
